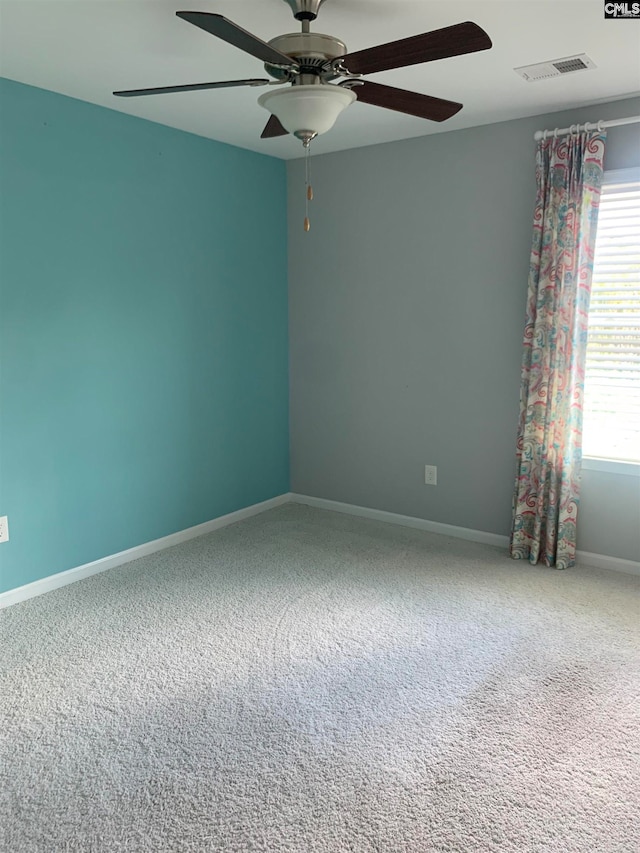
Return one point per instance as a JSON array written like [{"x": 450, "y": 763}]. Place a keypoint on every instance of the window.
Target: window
[{"x": 611, "y": 427}]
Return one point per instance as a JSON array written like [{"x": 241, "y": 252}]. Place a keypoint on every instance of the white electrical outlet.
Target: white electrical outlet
[
  {"x": 431, "y": 475},
  {"x": 4, "y": 528}
]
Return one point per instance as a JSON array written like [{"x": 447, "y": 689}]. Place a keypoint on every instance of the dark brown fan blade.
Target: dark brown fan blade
[
  {"x": 413, "y": 103},
  {"x": 226, "y": 30},
  {"x": 190, "y": 87},
  {"x": 438, "y": 44},
  {"x": 273, "y": 128}
]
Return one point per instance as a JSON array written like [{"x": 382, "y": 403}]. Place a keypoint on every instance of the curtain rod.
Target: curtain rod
[{"x": 575, "y": 128}]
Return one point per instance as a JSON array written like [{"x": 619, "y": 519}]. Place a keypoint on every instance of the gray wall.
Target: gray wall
[{"x": 407, "y": 305}]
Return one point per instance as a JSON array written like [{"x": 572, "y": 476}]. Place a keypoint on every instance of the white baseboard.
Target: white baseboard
[
  {"x": 30, "y": 590},
  {"x": 583, "y": 558},
  {"x": 405, "y": 521},
  {"x": 602, "y": 561}
]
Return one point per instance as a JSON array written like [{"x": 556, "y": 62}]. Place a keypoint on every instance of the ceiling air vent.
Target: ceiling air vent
[{"x": 555, "y": 67}]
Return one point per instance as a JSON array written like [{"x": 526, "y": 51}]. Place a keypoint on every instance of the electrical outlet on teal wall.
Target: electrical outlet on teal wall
[{"x": 143, "y": 331}]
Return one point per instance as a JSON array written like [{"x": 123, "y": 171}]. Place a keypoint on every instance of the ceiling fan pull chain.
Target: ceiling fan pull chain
[{"x": 309, "y": 188}]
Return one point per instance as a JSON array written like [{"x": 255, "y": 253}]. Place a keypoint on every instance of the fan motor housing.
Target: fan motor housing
[{"x": 310, "y": 50}]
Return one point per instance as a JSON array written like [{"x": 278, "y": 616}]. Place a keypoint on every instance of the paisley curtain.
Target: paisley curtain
[{"x": 569, "y": 172}]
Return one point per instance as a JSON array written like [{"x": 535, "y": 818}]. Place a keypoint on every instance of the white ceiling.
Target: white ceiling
[{"x": 88, "y": 48}]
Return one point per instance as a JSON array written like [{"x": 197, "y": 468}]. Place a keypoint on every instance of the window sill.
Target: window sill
[{"x": 611, "y": 466}]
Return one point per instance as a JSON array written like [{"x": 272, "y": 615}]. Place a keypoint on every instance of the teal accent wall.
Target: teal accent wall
[{"x": 143, "y": 331}]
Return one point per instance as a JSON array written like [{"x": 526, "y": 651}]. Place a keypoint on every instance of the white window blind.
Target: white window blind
[{"x": 611, "y": 428}]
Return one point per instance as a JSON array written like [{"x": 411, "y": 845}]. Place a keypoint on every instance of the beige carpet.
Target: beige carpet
[{"x": 306, "y": 681}]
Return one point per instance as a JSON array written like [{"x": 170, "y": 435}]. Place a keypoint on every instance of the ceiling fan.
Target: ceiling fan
[{"x": 310, "y": 62}]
